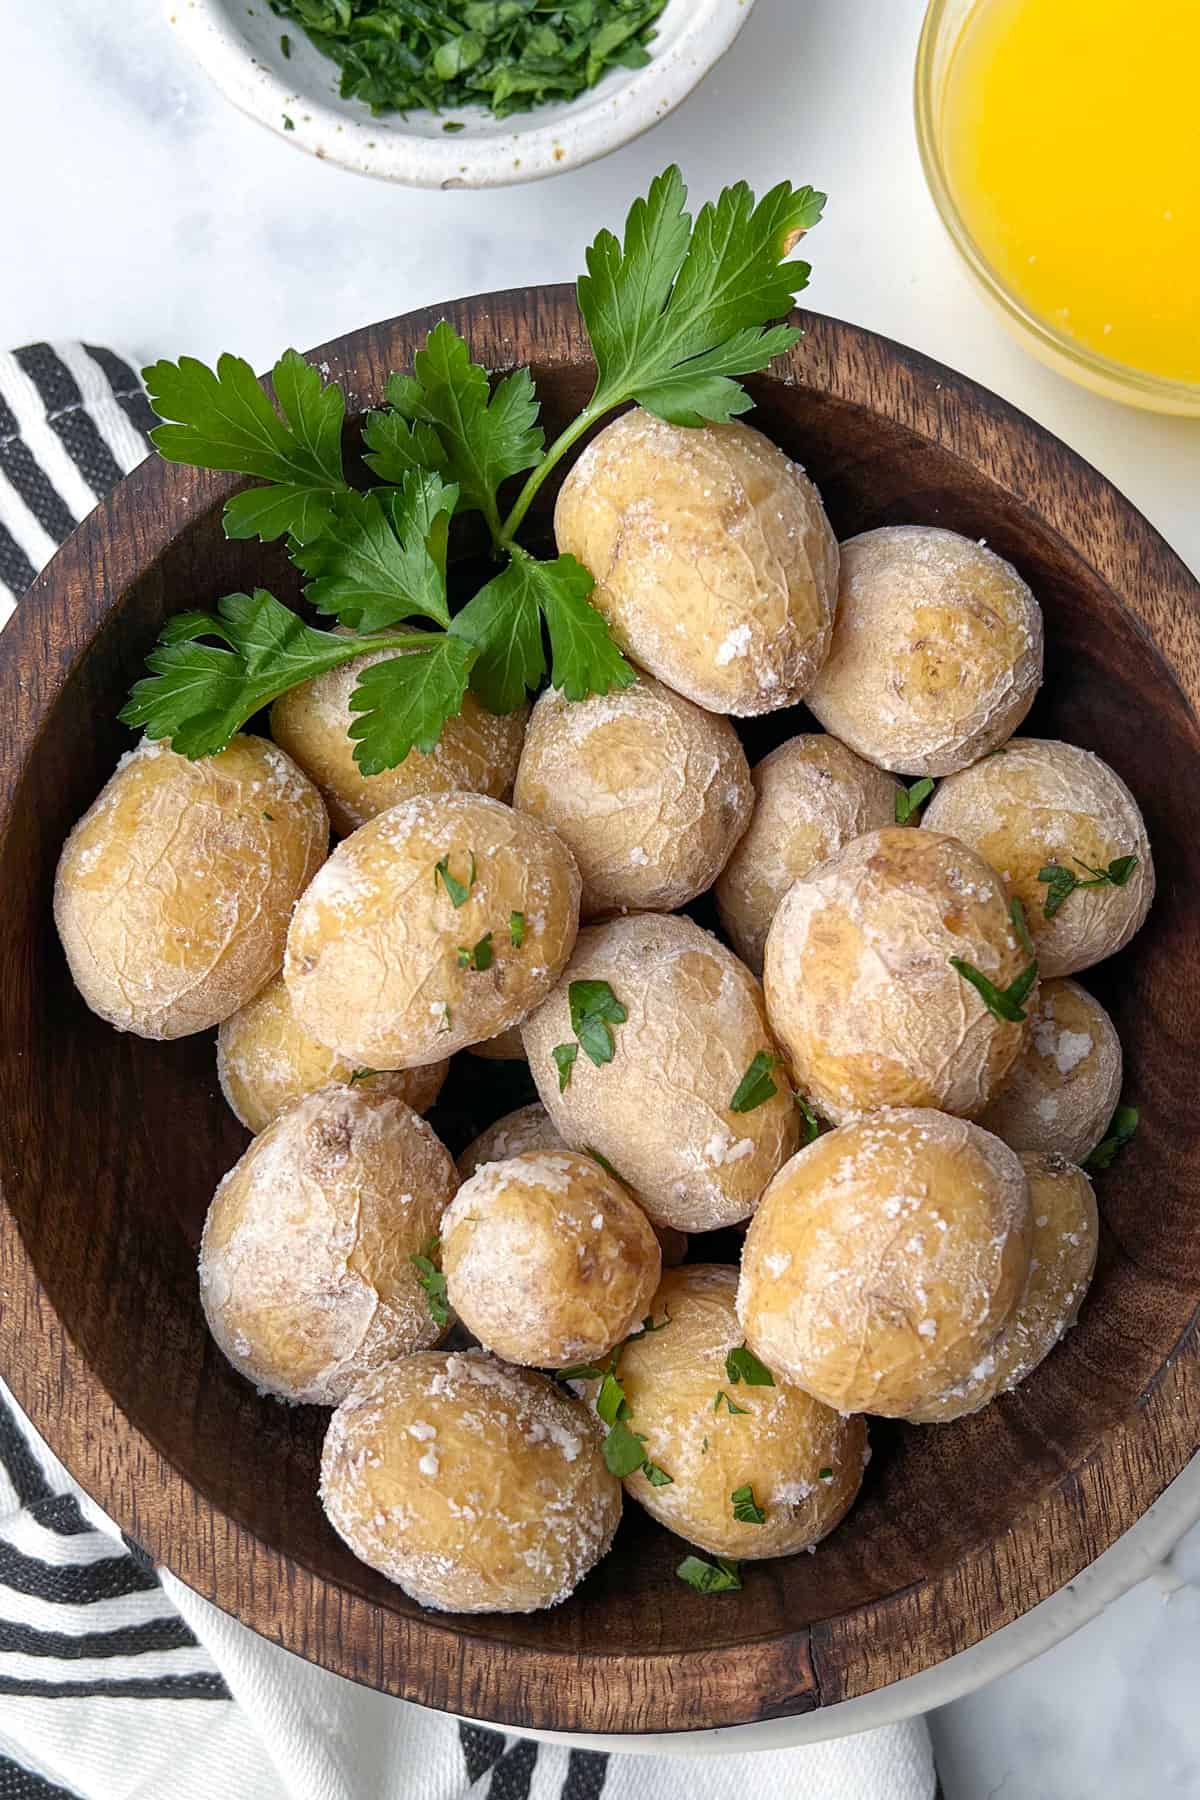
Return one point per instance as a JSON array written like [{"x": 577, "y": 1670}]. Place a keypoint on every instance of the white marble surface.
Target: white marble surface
[{"x": 139, "y": 210}]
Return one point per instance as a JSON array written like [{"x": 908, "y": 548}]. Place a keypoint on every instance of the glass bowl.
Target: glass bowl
[{"x": 944, "y": 22}]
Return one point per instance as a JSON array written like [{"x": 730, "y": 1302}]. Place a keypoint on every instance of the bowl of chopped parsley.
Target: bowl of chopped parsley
[{"x": 460, "y": 93}]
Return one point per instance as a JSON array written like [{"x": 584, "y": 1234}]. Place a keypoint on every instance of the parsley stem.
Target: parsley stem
[{"x": 554, "y": 455}]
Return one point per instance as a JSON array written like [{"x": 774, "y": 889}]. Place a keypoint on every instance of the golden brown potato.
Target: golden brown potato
[
  {"x": 660, "y": 1110},
  {"x": 548, "y": 1261},
  {"x": 812, "y": 795},
  {"x": 1042, "y": 803},
  {"x": 937, "y": 651},
  {"x": 1064, "y": 1087},
  {"x": 477, "y": 751},
  {"x": 305, "y": 1271},
  {"x": 650, "y": 793},
  {"x": 174, "y": 890},
  {"x": 859, "y": 984},
  {"x": 1065, "y": 1235},
  {"x": 714, "y": 562},
  {"x": 436, "y": 925},
  {"x": 885, "y": 1259},
  {"x": 801, "y": 1461},
  {"x": 266, "y": 1059},
  {"x": 477, "y": 1487}
]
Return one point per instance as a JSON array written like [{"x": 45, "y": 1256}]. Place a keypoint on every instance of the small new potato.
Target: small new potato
[
  {"x": 1044, "y": 802},
  {"x": 306, "y": 1276},
  {"x": 547, "y": 1259},
  {"x": 885, "y": 1259},
  {"x": 434, "y": 926},
  {"x": 174, "y": 890},
  {"x": 650, "y": 793},
  {"x": 477, "y": 751},
  {"x": 812, "y": 795},
  {"x": 1066, "y": 1231},
  {"x": 660, "y": 1111},
  {"x": 802, "y": 1462},
  {"x": 1064, "y": 1087},
  {"x": 475, "y": 1486},
  {"x": 860, "y": 987},
  {"x": 937, "y": 650},
  {"x": 266, "y": 1059},
  {"x": 715, "y": 565}
]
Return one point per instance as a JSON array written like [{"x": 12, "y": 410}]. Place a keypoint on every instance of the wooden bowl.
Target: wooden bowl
[{"x": 110, "y": 1147}]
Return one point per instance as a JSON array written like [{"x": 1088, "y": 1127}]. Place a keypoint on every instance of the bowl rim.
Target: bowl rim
[
  {"x": 430, "y": 1658},
  {"x": 597, "y": 122},
  {"x": 1058, "y": 347}
]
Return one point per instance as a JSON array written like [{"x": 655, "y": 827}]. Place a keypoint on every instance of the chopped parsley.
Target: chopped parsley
[
  {"x": 459, "y": 892},
  {"x": 285, "y": 44},
  {"x": 1004, "y": 1003},
  {"x": 362, "y": 1075},
  {"x": 824, "y": 1474},
  {"x": 742, "y": 1365},
  {"x": 595, "y": 1009},
  {"x": 288, "y": 124},
  {"x": 1122, "y": 1126},
  {"x": 910, "y": 800},
  {"x": 564, "y": 1061},
  {"x": 719, "y": 1577},
  {"x": 756, "y": 1087},
  {"x": 1060, "y": 882},
  {"x": 516, "y": 929},
  {"x": 729, "y": 1404},
  {"x": 623, "y": 1449},
  {"x": 655, "y": 1476},
  {"x": 810, "y": 1131},
  {"x": 1016, "y": 913},
  {"x": 430, "y": 1277},
  {"x": 480, "y": 957},
  {"x": 746, "y": 1509}
]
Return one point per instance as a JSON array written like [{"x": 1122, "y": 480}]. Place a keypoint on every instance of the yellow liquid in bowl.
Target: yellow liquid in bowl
[{"x": 1071, "y": 139}]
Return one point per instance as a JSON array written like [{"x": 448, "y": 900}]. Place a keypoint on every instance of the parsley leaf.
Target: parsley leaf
[
  {"x": 430, "y": 1277},
  {"x": 611, "y": 1404},
  {"x": 756, "y": 1087},
  {"x": 595, "y": 1009},
  {"x": 719, "y": 1577},
  {"x": 1122, "y": 1127},
  {"x": 564, "y": 1061},
  {"x": 729, "y": 1404},
  {"x": 910, "y": 800},
  {"x": 223, "y": 419},
  {"x": 655, "y": 1476},
  {"x": 825, "y": 1474},
  {"x": 746, "y": 1509},
  {"x": 1060, "y": 882},
  {"x": 459, "y": 891},
  {"x": 743, "y": 1365},
  {"x": 623, "y": 1450},
  {"x": 404, "y": 702},
  {"x": 361, "y": 1075},
  {"x": 1016, "y": 913},
  {"x": 1003, "y": 1003},
  {"x": 516, "y": 929},
  {"x": 480, "y": 957},
  {"x": 381, "y": 557},
  {"x": 810, "y": 1131}
]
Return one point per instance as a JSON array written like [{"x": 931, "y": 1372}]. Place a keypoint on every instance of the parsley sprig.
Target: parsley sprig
[
  {"x": 1060, "y": 882},
  {"x": 623, "y": 1448},
  {"x": 1005, "y": 1003},
  {"x": 676, "y": 312},
  {"x": 1122, "y": 1127},
  {"x": 431, "y": 1279},
  {"x": 721, "y": 1576},
  {"x": 910, "y": 800}
]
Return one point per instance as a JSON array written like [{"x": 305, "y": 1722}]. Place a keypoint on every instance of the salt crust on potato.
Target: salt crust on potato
[{"x": 1064, "y": 1087}]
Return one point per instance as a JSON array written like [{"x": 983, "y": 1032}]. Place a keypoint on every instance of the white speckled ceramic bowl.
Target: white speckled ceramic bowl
[{"x": 239, "y": 46}]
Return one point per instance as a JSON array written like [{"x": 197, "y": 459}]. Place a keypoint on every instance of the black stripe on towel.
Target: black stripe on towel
[
  {"x": 16, "y": 570},
  {"x": 586, "y": 1772},
  {"x": 481, "y": 1748},
  {"x": 162, "y": 1687},
  {"x": 73, "y": 1584},
  {"x": 22, "y": 1467},
  {"x": 169, "y": 1633},
  {"x": 69, "y": 419},
  {"x": 17, "y": 1783},
  {"x": 26, "y": 474},
  {"x": 60, "y": 1513},
  {"x": 127, "y": 389},
  {"x": 513, "y": 1774}
]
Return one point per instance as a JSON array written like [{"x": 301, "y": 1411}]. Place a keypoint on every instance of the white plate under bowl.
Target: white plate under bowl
[{"x": 239, "y": 46}]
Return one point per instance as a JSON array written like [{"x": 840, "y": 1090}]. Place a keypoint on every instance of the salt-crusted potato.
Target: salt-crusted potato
[
  {"x": 659, "y": 1110},
  {"x": 266, "y": 1059},
  {"x": 859, "y": 985},
  {"x": 477, "y": 1487},
  {"x": 530, "y": 1128},
  {"x": 547, "y": 1259},
  {"x": 1066, "y": 1231},
  {"x": 508, "y": 1046},
  {"x": 477, "y": 751},
  {"x": 650, "y": 793},
  {"x": 937, "y": 650},
  {"x": 434, "y": 926},
  {"x": 174, "y": 890},
  {"x": 1044, "y": 802},
  {"x": 714, "y": 562},
  {"x": 811, "y": 796},
  {"x": 885, "y": 1259},
  {"x": 1065, "y": 1085},
  {"x": 305, "y": 1272},
  {"x": 801, "y": 1462}
]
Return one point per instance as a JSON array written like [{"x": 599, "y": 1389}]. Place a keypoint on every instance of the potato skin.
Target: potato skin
[
  {"x": 477, "y": 751},
  {"x": 859, "y": 984},
  {"x": 885, "y": 1259},
  {"x": 174, "y": 890},
  {"x": 650, "y": 792},
  {"x": 305, "y": 1272},
  {"x": 811, "y": 796},
  {"x": 1044, "y": 802},
  {"x": 475, "y": 1486},
  {"x": 375, "y": 951},
  {"x": 266, "y": 1059},
  {"x": 937, "y": 650},
  {"x": 715, "y": 565},
  {"x": 659, "y": 1111},
  {"x": 1064, "y": 1088},
  {"x": 548, "y": 1261},
  {"x": 803, "y": 1461}
]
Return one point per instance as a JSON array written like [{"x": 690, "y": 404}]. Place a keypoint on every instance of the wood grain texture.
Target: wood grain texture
[{"x": 110, "y": 1147}]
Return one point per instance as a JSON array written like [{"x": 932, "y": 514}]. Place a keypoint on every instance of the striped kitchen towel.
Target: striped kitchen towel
[{"x": 116, "y": 1681}]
